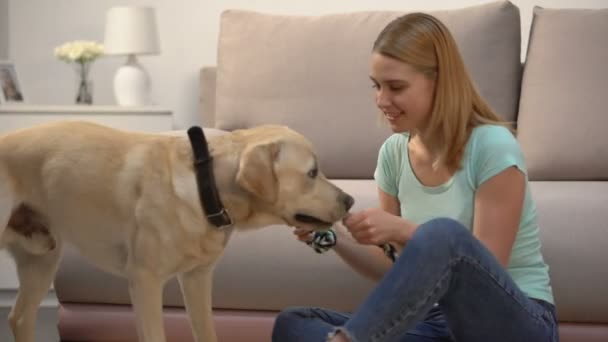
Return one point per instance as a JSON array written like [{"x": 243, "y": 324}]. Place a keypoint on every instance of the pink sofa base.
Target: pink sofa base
[{"x": 114, "y": 323}]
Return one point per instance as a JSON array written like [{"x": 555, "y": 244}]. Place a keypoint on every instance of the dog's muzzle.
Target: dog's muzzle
[{"x": 311, "y": 220}]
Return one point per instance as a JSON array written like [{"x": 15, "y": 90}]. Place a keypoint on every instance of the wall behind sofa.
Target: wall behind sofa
[
  {"x": 188, "y": 32},
  {"x": 3, "y": 29}
]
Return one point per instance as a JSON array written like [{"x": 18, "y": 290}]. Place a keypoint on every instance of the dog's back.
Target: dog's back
[{"x": 77, "y": 180}]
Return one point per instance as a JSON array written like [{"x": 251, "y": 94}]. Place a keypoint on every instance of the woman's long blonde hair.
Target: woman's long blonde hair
[{"x": 426, "y": 44}]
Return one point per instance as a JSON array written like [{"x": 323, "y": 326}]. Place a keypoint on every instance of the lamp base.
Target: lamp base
[{"x": 132, "y": 84}]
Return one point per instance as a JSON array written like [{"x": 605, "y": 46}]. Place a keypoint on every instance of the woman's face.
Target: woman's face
[{"x": 403, "y": 94}]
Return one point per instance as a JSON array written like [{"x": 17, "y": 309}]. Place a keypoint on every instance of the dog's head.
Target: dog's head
[{"x": 280, "y": 169}]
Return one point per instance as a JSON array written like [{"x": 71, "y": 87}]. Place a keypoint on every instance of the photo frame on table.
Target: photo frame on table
[{"x": 10, "y": 88}]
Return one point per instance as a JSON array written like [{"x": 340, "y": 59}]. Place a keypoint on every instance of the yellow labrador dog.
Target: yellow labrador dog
[{"x": 129, "y": 203}]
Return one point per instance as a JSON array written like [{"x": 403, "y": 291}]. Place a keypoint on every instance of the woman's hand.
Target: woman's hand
[{"x": 375, "y": 226}]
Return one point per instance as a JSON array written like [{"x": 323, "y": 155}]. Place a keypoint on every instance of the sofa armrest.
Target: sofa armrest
[{"x": 207, "y": 95}]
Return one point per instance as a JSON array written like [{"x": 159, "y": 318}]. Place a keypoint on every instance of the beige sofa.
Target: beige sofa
[{"x": 311, "y": 73}]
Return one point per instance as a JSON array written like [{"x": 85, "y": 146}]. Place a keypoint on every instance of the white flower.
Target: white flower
[{"x": 80, "y": 51}]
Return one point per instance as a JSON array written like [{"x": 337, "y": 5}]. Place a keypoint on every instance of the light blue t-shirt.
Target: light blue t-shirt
[{"x": 490, "y": 150}]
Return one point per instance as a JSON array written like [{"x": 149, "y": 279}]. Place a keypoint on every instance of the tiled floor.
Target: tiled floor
[{"x": 46, "y": 326}]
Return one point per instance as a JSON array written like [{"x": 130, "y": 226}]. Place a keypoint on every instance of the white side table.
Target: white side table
[{"x": 148, "y": 119}]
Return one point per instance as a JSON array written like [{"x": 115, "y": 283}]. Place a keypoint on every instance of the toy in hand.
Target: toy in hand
[
  {"x": 389, "y": 251},
  {"x": 323, "y": 240}
]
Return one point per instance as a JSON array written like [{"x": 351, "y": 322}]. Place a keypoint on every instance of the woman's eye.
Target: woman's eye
[
  {"x": 375, "y": 86},
  {"x": 313, "y": 173}
]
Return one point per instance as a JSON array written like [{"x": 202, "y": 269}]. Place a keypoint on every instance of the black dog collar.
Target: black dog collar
[{"x": 207, "y": 192}]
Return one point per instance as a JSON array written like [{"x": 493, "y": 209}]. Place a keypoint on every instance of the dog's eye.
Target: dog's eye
[{"x": 313, "y": 173}]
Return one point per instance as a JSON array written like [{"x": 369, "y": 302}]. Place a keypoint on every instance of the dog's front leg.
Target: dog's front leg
[
  {"x": 145, "y": 289},
  {"x": 196, "y": 289}
]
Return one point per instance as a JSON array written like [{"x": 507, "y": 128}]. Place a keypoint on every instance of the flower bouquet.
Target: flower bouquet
[{"x": 81, "y": 54}]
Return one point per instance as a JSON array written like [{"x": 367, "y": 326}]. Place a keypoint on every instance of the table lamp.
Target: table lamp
[{"x": 131, "y": 31}]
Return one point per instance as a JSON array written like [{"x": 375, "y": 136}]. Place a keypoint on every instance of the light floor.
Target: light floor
[{"x": 46, "y": 326}]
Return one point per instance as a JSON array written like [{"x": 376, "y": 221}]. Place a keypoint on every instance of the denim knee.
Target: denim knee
[
  {"x": 306, "y": 324},
  {"x": 284, "y": 321},
  {"x": 442, "y": 233},
  {"x": 288, "y": 315}
]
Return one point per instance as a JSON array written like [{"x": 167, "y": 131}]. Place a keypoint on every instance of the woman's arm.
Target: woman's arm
[
  {"x": 389, "y": 203},
  {"x": 362, "y": 252},
  {"x": 369, "y": 261},
  {"x": 498, "y": 208}
]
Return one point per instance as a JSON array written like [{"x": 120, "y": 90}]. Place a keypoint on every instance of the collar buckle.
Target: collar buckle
[{"x": 220, "y": 219}]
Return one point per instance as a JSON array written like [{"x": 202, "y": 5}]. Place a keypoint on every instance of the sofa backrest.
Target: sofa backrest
[
  {"x": 311, "y": 73},
  {"x": 563, "y": 114},
  {"x": 207, "y": 85}
]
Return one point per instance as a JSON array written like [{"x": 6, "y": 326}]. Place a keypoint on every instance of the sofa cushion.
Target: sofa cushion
[
  {"x": 311, "y": 73},
  {"x": 572, "y": 220},
  {"x": 562, "y": 117},
  {"x": 207, "y": 95}
]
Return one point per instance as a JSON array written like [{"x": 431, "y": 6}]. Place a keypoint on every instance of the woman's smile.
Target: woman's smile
[{"x": 393, "y": 116}]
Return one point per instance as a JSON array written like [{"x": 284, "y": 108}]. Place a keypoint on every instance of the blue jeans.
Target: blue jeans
[{"x": 445, "y": 286}]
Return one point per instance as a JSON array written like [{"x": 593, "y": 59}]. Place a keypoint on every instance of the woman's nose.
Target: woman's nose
[{"x": 382, "y": 99}]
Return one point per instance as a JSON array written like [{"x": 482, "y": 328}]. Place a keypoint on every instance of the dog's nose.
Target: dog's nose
[{"x": 348, "y": 200}]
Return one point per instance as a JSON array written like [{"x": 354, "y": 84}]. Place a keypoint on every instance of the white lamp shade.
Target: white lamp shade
[{"x": 131, "y": 30}]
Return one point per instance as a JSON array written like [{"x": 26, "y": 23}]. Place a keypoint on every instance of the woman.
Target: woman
[{"x": 455, "y": 204}]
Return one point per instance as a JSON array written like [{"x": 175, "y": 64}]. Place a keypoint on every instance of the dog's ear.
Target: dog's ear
[{"x": 256, "y": 171}]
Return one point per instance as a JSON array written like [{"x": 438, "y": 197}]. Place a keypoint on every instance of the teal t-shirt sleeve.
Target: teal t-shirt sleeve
[
  {"x": 494, "y": 150},
  {"x": 387, "y": 169}
]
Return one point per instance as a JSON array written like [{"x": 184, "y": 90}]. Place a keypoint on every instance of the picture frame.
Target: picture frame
[{"x": 10, "y": 88}]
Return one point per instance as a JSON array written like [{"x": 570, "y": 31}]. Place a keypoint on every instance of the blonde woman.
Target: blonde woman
[{"x": 454, "y": 202}]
